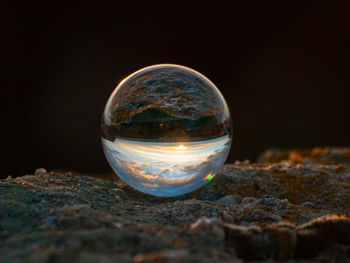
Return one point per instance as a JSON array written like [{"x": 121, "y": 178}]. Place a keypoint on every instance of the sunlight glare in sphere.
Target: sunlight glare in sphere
[{"x": 181, "y": 147}]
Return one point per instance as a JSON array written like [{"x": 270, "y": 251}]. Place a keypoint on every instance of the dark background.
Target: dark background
[{"x": 282, "y": 67}]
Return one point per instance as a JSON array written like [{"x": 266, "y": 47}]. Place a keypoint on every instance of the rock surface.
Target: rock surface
[{"x": 276, "y": 210}]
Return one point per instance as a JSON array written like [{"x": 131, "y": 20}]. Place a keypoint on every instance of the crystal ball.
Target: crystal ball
[{"x": 166, "y": 130}]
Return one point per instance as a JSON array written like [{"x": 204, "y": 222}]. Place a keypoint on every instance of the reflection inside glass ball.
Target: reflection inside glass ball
[{"x": 166, "y": 130}]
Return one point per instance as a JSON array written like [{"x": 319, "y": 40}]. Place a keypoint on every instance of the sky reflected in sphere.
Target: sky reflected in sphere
[{"x": 166, "y": 130}]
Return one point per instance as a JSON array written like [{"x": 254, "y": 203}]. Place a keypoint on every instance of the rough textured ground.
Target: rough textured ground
[{"x": 291, "y": 206}]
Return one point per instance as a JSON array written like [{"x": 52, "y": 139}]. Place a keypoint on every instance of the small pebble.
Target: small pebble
[
  {"x": 40, "y": 171},
  {"x": 246, "y": 162},
  {"x": 230, "y": 199}
]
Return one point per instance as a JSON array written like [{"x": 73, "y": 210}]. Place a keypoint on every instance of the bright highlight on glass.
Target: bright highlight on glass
[{"x": 166, "y": 130}]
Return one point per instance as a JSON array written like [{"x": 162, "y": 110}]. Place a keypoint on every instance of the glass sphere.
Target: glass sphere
[{"x": 166, "y": 130}]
